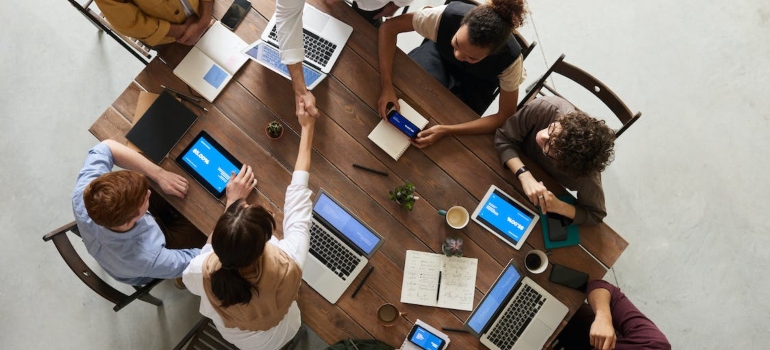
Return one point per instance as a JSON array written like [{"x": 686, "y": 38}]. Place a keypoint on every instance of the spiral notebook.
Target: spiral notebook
[{"x": 392, "y": 140}]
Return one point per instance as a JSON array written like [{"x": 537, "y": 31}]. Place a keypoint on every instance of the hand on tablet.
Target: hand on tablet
[
  {"x": 240, "y": 185},
  {"x": 172, "y": 183}
]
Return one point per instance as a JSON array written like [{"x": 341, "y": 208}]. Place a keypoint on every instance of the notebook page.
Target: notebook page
[
  {"x": 392, "y": 140},
  {"x": 224, "y": 47}
]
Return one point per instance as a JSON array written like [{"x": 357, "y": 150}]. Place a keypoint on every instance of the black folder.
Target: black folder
[{"x": 161, "y": 127}]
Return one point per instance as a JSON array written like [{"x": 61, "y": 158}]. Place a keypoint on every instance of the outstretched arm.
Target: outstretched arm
[
  {"x": 386, "y": 50},
  {"x": 127, "y": 158}
]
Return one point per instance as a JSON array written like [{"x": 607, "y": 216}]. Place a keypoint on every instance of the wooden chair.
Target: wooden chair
[
  {"x": 596, "y": 87},
  {"x": 204, "y": 335},
  {"x": 141, "y": 51},
  {"x": 79, "y": 267}
]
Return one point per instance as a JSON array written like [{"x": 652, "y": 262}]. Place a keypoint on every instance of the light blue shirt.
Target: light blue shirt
[{"x": 134, "y": 257}]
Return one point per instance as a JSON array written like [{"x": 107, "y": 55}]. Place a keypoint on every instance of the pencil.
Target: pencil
[
  {"x": 454, "y": 330},
  {"x": 195, "y": 104},
  {"x": 361, "y": 284},
  {"x": 181, "y": 95},
  {"x": 370, "y": 170}
]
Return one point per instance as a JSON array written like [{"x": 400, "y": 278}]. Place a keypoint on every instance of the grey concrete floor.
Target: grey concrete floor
[{"x": 687, "y": 189}]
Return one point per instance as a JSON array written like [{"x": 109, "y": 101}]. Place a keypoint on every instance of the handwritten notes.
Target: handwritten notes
[{"x": 454, "y": 289}]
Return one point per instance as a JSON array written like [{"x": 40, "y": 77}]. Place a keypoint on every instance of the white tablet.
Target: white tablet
[{"x": 506, "y": 217}]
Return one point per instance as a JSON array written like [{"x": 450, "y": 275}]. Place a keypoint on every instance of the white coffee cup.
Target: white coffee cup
[
  {"x": 456, "y": 217},
  {"x": 536, "y": 261}
]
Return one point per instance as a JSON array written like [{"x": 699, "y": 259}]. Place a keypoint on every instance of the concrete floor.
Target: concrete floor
[{"x": 687, "y": 188}]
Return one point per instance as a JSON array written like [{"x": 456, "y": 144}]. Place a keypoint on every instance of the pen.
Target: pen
[
  {"x": 458, "y": 330},
  {"x": 361, "y": 284},
  {"x": 370, "y": 170},
  {"x": 181, "y": 95},
  {"x": 438, "y": 288},
  {"x": 195, "y": 104}
]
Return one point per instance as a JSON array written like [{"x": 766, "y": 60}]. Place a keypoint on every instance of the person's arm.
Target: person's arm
[
  {"x": 386, "y": 50},
  {"x": 126, "y": 18},
  {"x": 602, "y": 332},
  {"x": 127, "y": 158},
  {"x": 288, "y": 17},
  {"x": 387, "y": 11},
  {"x": 171, "y": 263},
  {"x": 240, "y": 186},
  {"x": 589, "y": 207},
  {"x": 195, "y": 29}
]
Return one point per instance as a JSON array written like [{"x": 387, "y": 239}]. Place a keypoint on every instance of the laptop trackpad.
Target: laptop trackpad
[
  {"x": 314, "y": 20},
  {"x": 537, "y": 333}
]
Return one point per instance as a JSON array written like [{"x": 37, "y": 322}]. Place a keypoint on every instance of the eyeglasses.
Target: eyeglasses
[{"x": 547, "y": 146}]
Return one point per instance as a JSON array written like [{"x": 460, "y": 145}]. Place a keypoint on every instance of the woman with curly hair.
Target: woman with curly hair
[
  {"x": 569, "y": 145},
  {"x": 469, "y": 49}
]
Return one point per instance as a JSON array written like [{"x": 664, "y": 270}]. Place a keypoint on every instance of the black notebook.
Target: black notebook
[{"x": 161, "y": 127}]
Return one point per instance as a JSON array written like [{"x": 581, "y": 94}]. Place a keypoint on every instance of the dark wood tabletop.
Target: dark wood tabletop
[{"x": 454, "y": 171}]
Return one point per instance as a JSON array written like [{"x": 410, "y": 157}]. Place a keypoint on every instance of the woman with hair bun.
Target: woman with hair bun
[
  {"x": 248, "y": 279},
  {"x": 469, "y": 49}
]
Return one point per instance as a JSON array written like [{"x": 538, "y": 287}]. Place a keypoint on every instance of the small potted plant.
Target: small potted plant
[
  {"x": 453, "y": 246},
  {"x": 274, "y": 130},
  {"x": 404, "y": 195}
]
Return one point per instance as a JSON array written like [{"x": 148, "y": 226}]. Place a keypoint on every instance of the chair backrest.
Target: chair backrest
[
  {"x": 596, "y": 87},
  {"x": 204, "y": 335},
  {"x": 79, "y": 267}
]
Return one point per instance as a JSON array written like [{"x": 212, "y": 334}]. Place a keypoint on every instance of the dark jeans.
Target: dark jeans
[
  {"x": 476, "y": 93},
  {"x": 633, "y": 329},
  {"x": 180, "y": 233}
]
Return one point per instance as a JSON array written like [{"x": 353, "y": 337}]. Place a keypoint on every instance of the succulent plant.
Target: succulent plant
[
  {"x": 404, "y": 195},
  {"x": 274, "y": 129},
  {"x": 453, "y": 246}
]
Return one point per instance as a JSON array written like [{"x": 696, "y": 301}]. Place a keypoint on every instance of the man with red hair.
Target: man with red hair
[{"x": 111, "y": 211}]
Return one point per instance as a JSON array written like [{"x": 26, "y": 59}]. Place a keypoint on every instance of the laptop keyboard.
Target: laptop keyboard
[
  {"x": 271, "y": 56},
  {"x": 317, "y": 49},
  {"x": 515, "y": 319},
  {"x": 331, "y": 252}
]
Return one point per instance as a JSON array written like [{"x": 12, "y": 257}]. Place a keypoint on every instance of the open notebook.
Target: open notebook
[
  {"x": 438, "y": 280},
  {"x": 392, "y": 140},
  {"x": 212, "y": 62}
]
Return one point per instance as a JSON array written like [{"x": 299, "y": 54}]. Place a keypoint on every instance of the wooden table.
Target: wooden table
[{"x": 455, "y": 171}]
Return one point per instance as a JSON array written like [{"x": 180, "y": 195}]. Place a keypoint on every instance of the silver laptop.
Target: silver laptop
[
  {"x": 516, "y": 313},
  {"x": 340, "y": 246},
  {"x": 268, "y": 56}
]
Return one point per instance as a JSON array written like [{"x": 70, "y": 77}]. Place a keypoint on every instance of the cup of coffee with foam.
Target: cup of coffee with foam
[
  {"x": 536, "y": 261},
  {"x": 456, "y": 217}
]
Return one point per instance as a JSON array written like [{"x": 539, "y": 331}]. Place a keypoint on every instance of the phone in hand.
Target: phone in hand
[
  {"x": 403, "y": 124},
  {"x": 569, "y": 277},
  {"x": 236, "y": 13},
  {"x": 557, "y": 227},
  {"x": 424, "y": 339}
]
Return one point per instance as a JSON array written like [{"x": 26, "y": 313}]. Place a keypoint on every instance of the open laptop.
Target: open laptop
[
  {"x": 324, "y": 37},
  {"x": 516, "y": 313},
  {"x": 340, "y": 246}
]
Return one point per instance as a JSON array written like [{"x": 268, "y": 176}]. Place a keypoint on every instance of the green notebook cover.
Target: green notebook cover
[{"x": 573, "y": 238}]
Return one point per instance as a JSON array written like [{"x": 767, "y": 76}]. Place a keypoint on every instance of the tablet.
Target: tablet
[
  {"x": 505, "y": 217},
  {"x": 209, "y": 163}
]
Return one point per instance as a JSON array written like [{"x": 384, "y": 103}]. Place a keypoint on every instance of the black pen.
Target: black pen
[
  {"x": 181, "y": 95},
  {"x": 458, "y": 330},
  {"x": 370, "y": 170},
  {"x": 438, "y": 288},
  {"x": 361, "y": 284}
]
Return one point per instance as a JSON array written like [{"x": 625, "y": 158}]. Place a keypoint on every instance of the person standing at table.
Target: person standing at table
[
  {"x": 569, "y": 145},
  {"x": 159, "y": 22},
  {"x": 469, "y": 49},
  {"x": 611, "y": 321},
  {"x": 247, "y": 278},
  {"x": 288, "y": 18},
  {"x": 133, "y": 245},
  {"x": 374, "y": 11}
]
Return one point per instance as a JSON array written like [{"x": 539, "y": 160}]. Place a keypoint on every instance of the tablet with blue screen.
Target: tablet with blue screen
[
  {"x": 505, "y": 217},
  {"x": 209, "y": 163}
]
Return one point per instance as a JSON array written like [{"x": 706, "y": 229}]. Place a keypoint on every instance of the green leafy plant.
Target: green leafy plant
[
  {"x": 453, "y": 246},
  {"x": 404, "y": 195},
  {"x": 274, "y": 129}
]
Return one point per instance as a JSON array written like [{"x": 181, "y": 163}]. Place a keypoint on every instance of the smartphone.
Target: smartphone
[
  {"x": 568, "y": 277},
  {"x": 403, "y": 124},
  {"x": 424, "y": 339},
  {"x": 236, "y": 13},
  {"x": 557, "y": 227}
]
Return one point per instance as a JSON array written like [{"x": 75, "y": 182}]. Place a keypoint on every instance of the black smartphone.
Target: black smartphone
[
  {"x": 557, "y": 227},
  {"x": 235, "y": 13},
  {"x": 403, "y": 124},
  {"x": 569, "y": 277},
  {"x": 424, "y": 339}
]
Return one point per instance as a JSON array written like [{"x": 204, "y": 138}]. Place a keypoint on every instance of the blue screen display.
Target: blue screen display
[
  {"x": 338, "y": 217},
  {"x": 504, "y": 216},
  {"x": 403, "y": 124},
  {"x": 494, "y": 299},
  {"x": 426, "y": 340},
  {"x": 210, "y": 164}
]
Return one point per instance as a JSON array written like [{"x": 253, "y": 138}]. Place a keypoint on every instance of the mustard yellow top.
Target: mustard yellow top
[{"x": 146, "y": 20}]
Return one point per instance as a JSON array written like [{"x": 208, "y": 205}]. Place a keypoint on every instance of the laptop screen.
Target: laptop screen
[
  {"x": 345, "y": 223},
  {"x": 505, "y": 216},
  {"x": 494, "y": 299}
]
